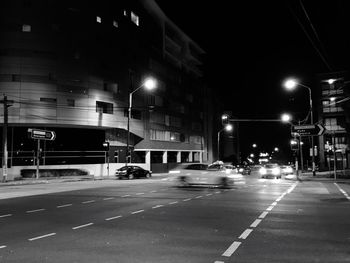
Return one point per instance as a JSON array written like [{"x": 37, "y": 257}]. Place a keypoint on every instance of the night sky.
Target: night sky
[{"x": 253, "y": 46}]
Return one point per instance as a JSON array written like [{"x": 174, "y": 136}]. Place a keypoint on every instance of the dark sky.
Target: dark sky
[{"x": 252, "y": 46}]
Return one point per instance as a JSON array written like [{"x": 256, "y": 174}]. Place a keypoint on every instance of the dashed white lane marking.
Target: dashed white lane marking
[
  {"x": 81, "y": 226},
  {"x": 197, "y": 197},
  {"x": 157, "y": 206},
  {"x": 172, "y": 203},
  {"x": 153, "y": 192},
  {"x": 88, "y": 202},
  {"x": 36, "y": 210},
  {"x": 39, "y": 237},
  {"x": 2, "y": 247},
  {"x": 114, "y": 217},
  {"x": 188, "y": 199},
  {"x": 139, "y": 193},
  {"x": 108, "y": 198},
  {"x": 66, "y": 205},
  {"x": 6, "y": 215},
  {"x": 136, "y": 212},
  {"x": 274, "y": 203},
  {"x": 270, "y": 208},
  {"x": 219, "y": 262},
  {"x": 218, "y": 192},
  {"x": 342, "y": 191},
  {"x": 231, "y": 249},
  {"x": 125, "y": 195},
  {"x": 209, "y": 194},
  {"x": 263, "y": 214},
  {"x": 245, "y": 234},
  {"x": 256, "y": 223}
]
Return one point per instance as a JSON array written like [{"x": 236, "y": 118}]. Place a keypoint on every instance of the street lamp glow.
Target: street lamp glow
[
  {"x": 332, "y": 99},
  {"x": 228, "y": 127},
  {"x": 276, "y": 149},
  {"x": 150, "y": 83},
  {"x": 254, "y": 145},
  {"x": 290, "y": 84},
  {"x": 331, "y": 81},
  {"x": 286, "y": 117}
]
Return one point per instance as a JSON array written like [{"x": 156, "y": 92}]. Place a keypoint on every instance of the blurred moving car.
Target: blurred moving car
[
  {"x": 216, "y": 174},
  {"x": 270, "y": 170},
  {"x": 132, "y": 171},
  {"x": 243, "y": 169},
  {"x": 286, "y": 169}
]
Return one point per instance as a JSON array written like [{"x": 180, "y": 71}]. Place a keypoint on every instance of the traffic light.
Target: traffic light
[
  {"x": 224, "y": 119},
  {"x": 294, "y": 144}
]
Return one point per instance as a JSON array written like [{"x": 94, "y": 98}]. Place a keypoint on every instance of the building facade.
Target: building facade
[
  {"x": 70, "y": 66},
  {"x": 334, "y": 114}
]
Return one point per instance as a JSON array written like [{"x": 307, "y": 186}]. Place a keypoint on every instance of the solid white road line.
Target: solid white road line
[
  {"x": 2, "y": 247},
  {"x": 88, "y": 202},
  {"x": 114, "y": 217},
  {"x": 39, "y": 237},
  {"x": 108, "y": 198},
  {"x": 136, "y": 212},
  {"x": 157, "y": 206},
  {"x": 81, "y": 226},
  {"x": 60, "y": 206},
  {"x": 219, "y": 261},
  {"x": 6, "y": 215},
  {"x": 263, "y": 214},
  {"x": 256, "y": 223},
  {"x": 231, "y": 249},
  {"x": 246, "y": 233},
  {"x": 274, "y": 203},
  {"x": 36, "y": 210},
  {"x": 269, "y": 208}
]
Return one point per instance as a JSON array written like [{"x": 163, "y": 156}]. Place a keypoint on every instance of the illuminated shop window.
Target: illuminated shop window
[
  {"x": 98, "y": 19},
  {"x": 26, "y": 28},
  {"x": 135, "y": 19}
]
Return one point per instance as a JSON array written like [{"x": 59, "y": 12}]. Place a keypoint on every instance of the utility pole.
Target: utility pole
[{"x": 6, "y": 103}]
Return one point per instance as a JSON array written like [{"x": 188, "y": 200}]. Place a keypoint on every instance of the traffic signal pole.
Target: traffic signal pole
[{"x": 6, "y": 103}]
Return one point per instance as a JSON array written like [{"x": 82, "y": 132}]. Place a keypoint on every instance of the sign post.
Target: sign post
[
  {"x": 40, "y": 135},
  {"x": 309, "y": 129}
]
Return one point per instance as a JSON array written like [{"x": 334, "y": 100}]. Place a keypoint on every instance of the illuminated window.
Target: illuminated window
[
  {"x": 26, "y": 28},
  {"x": 135, "y": 18},
  {"x": 125, "y": 13},
  {"x": 115, "y": 23},
  {"x": 98, "y": 19}
]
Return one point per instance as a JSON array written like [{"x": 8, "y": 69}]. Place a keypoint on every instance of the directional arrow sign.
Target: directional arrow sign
[
  {"x": 309, "y": 129},
  {"x": 42, "y": 134}
]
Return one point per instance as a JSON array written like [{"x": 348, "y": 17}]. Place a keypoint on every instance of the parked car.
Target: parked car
[
  {"x": 270, "y": 170},
  {"x": 131, "y": 172},
  {"x": 203, "y": 174}
]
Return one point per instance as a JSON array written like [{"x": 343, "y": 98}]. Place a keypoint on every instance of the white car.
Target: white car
[
  {"x": 203, "y": 174},
  {"x": 270, "y": 170}
]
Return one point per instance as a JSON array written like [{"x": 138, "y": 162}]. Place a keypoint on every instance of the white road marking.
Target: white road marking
[
  {"x": 197, "y": 197},
  {"x": 274, "y": 203},
  {"x": 114, "y": 217},
  {"x": 278, "y": 199},
  {"x": 2, "y": 247},
  {"x": 60, "y": 206},
  {"x": 39, "y": 237},
  {"x": 36, "y": 210},
  {"x": 108, "y": 198},
  {"x": 219, "y": 261},
  {"x": 218, "y": 192},
  {"x": 136, "y": 212},
  {"x": 188, "y": 199},
  {"x": 231, "y": 249},
  {"x": 81, "y": 226},
  {"x": 153, "y": 191},
  {"x": 88, "y": 202},
  {"x": 263, "y": 214},
  {"x": 171, "y": 203},
  {"x": 342, "y": 190},
  {"x": 6, "y": 215},
  {"x": 125, "y": 195},
  {"x": 246, "y": 233},
  {"x": 157, "y": 206},
  {"x": 269, "y": 208},
  {"x": 140, "y": 193},
  {"x": 256, "y": 223},
  {"x": 209, "y": 194}
]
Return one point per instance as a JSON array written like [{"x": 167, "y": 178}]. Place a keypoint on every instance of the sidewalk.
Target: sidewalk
[{"x": 341, "y": 176}]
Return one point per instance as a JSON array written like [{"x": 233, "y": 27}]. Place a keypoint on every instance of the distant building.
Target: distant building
[
  {"x": 69, "y": 66},
  {"x": 335, "y": 115}
]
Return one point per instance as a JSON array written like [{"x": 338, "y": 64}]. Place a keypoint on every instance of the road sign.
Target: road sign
[
  {"x": 42, "y": 134},
  {"x": 309, "y": 129}
]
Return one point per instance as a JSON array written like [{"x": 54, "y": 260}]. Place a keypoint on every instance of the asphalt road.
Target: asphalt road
[{"x": 153, "y": 220}]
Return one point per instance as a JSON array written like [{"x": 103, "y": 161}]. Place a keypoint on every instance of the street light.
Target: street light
[
  {"x": 228, "y": 128},
  {"x": 285, "y": 117},
  {"x": 290, "y": 84},
  {"x": 149, "y": 84}
]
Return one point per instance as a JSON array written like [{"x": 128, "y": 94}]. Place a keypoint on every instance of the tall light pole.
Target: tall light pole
[
  {"x": 228, "y": 127},
  {"x": 291, "y": 84},
  {"x": 149, "y": 84}
]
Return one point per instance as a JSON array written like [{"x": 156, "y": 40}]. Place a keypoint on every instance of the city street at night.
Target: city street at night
[{"x": 154, "y": 220}]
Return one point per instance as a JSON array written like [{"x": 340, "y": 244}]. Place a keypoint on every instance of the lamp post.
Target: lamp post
[
  {"x": 150, "y": 84},
  {"x": 228, "y": 128},
  {"x": 290, "y": 84}
]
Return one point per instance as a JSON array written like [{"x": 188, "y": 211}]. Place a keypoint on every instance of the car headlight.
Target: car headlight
[
  {"x": 262, "y": 170},
  {"x": 240, "y": 170},
  {"x": 276, "y": 171}
]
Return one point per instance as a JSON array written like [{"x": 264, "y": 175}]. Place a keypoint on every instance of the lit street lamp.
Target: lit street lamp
[
  {"x": 149, "y": 84},
  {"x": 291, "y": 84},
  {"x": 228, "y": 128}
]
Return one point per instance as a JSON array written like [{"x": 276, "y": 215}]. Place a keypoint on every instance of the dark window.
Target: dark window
[
  {"x": 104, "y": 107},
  {"x": 49, "y": 100},
  {"x": 70, "y": 102},
  {"x": 135, "y": 114}
]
